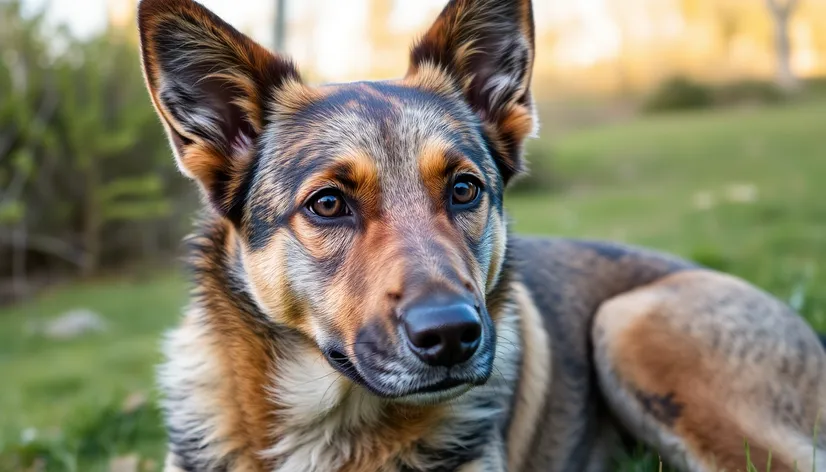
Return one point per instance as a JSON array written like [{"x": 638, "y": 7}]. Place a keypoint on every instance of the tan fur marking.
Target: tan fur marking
[
  {"x": 270, "y": 284},
  {"x": 401, "y": 428},
  {"x": 247, "y": 366},
  {"x": 434, "y": 161},
  {"x": 457, "y": 253},
  {"x": 660, "y": 362},
  {"x": 238, "y": 71},
  {"x": 534, "y": 378},
  {"x": 200, "y": 161},
  {"x": 359, "y": 168},
  {"x": 428, "y": 76},
  {"x": 657, "y": 362},
  {"x": 518, "y": 122},
  {"x": 433, "y": 166},
  {"x": 359, "y": 294},
  {"x": 350, "y": 429},
  {"x": 231, "y": 363},
  {"x": 294, "y": 96}
]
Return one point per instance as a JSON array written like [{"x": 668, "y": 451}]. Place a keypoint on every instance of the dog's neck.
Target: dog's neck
[{"x": 260, "y": 397}]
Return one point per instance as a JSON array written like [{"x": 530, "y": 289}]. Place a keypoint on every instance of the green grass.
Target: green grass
[
  {"x": 61, "y": 404},
  {"x": 64, "y": 400}
]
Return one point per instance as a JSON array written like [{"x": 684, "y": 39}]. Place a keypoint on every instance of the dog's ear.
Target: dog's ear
[
  {"x": 487, "y": 48},
  {"x": 209, "y": 84}
]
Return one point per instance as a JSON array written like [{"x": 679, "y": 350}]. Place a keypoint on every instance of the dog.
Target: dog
[{"x": 359, "y": 304}]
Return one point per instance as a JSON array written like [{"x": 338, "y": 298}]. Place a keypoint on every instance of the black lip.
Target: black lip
[
  {"x": 341, "y": 362},
  {"x": 441, "y": 385}
]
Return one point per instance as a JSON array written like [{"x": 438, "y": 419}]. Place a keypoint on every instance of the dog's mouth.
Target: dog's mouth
[
  {"x": 342, "y": 363},
  {"x": 440, "y": 386},
  {"x": 443, "y": 389}
]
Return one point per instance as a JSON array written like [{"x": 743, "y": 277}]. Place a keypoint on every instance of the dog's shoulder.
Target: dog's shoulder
[
  {"x": 568, "y": 279},
  {"x": 559, "y": 285},
  {"x": 559, "y": 271}
]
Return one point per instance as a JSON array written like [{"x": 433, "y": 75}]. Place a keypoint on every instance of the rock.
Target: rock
[
  {"x": 704, "y": 200},
  {"x": 129, "y": 463},
  {"x": 134, "y": 402},
  {"x": 73, "y": 324},
  {"x": 28, "y": 435},
  {"x": 742, "y": 193}
]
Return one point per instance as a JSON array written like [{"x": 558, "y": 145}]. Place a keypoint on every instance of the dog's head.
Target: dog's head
[{"x": 369, "y": 214}]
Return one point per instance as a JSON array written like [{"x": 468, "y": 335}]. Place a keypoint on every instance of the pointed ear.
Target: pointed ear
[
  {"x": 210, "y": 85},
  {"x": 487, "y": 49}
]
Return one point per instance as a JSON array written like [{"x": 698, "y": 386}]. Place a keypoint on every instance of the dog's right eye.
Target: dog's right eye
[{"x": 329, "y": 204}]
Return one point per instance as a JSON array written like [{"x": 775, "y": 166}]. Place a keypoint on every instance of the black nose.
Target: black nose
[{"x": 442, "y": 330}]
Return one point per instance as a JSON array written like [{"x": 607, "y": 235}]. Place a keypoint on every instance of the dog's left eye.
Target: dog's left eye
[
  {"x": 465, "y": 191},
  {"x": 329, "y": 204}
]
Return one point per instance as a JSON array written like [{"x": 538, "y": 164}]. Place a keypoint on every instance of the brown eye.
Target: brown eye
[
  {"x": 329, "y": 205},
  {"x": 465, "y": 191}
]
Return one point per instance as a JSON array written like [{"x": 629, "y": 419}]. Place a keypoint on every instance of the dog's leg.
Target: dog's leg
[{"x": 698, "y": 362}]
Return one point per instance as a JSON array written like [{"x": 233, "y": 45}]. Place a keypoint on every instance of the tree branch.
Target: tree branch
[
  {"x": 43, "y": 117},
  {"x": 48, "y": 245}
]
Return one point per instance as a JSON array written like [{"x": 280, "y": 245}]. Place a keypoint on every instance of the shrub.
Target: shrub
[
  {"x": 679, "y": 93},
  {"x": 748, "y": 92},
  {"x": 539, "y": 176},
  {"x": 86, "y": 176}
]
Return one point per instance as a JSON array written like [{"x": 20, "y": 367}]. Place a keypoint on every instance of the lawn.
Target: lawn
[{"x": 740, "y": 190}]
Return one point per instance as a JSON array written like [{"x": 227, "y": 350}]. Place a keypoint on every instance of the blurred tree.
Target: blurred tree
[
  {"x": 728, "y": 19},
  {"x": 86, "y": 179},
  {"x": 280, "y": 26},
  {"x": 781, "y": 11}
]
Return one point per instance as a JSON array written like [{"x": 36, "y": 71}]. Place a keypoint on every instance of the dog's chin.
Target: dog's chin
[
  {"x": 432, "y": 394},
  {"x": 435, "y": 397},
  {"x": 425, "y": 394}
]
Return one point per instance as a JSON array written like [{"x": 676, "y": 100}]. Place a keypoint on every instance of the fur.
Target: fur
[{"x": 332, "y": 212}]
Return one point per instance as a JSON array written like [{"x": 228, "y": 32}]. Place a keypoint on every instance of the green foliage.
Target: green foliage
[
  {"x": 134, "y": 199},
  {"x": 683, "y": 93},
  {"x": 82, "y": 154},
  {"x": 12, "y": 212},
  {"x": 540, "y": 176},
  {"x": 679, "y": 93},
  {"x": 815, "y": 85},
  {"x": 749, "y": 92},
  {"x": 102, "y": 431},
  {"x": 710, "y": 258}
]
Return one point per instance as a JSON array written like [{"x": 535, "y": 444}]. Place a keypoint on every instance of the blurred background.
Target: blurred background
[{"x": 691, "y": 126}]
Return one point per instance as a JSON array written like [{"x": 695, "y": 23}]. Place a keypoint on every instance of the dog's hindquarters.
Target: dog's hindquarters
[{"x": 697, "y": 363}]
